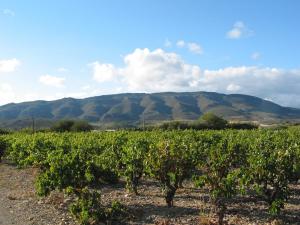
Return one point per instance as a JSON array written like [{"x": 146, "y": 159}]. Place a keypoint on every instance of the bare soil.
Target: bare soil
[{"x": 21, "y": 206}]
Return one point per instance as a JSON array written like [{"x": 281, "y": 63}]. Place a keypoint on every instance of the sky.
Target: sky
[{"x": 52, "y": 49}]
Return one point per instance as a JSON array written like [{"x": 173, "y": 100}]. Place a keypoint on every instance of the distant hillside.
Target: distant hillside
[{"x": 124, "y": 109}]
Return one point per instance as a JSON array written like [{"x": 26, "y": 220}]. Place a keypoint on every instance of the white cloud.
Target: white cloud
[
  {"x": 86, "y": 87},
  {"x": 180, "y": 44},
  {"x": 62, "y": 70},
  {"x": 233, "y": 87},
  {"x": 8, "y": 12},
  {"x": 103, "y": 72},
  {"x": 195, "y": 48},
  {"x": 191, "y": 46},
  {"x": 255, "y": 55},
  {"x": 158, "y": 70},
  {"x": 52, "y": 80},
  {"x": 7, "y": 93},
  {"x": 239, "y": 30},
  {"x": 9, "y": 65}
]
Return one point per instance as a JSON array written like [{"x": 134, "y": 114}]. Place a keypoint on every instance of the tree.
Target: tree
[
  {"x": 80, "y": 126},
  {"x": 3, "y": 131},
  {"x": 213, "y": 121},
  {"x": 71, "y": 125}
]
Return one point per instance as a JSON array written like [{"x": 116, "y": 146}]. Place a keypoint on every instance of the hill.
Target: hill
[{"x": 133, "y": 108}]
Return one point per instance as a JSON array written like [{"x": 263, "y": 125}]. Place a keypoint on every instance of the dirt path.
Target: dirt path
[
  {"x": 5, "y": 217},
  {"x": 19, "y": 204}
]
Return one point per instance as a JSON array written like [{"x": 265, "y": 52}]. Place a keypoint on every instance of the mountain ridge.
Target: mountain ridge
[{"x": 132, "y": 108}]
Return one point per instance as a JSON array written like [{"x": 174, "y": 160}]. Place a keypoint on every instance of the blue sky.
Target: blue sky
[{"x": 54, "y": 49}]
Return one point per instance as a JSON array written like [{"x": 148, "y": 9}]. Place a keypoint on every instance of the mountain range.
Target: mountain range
[{"x": 136, "y": 108}]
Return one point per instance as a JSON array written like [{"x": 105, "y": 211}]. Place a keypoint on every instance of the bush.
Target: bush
[
  {"x": 3, "y": 131},
  {"x": 3, "y": 146},
  {"x": 88, "y": 209},
  {"x": 81, "y": 126},
  {"x": 242, "y": 126},
  {"x": 174, "y": 125},
  {"x": 213, "y": 121},
  {"x": 206, "y": 121},
  {"x": 71, "y": 125}
]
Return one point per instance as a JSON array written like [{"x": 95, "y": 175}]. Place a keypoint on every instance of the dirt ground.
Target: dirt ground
[
  {"x": 192, "y": 206},
  {"x": 20, "y": 205}
]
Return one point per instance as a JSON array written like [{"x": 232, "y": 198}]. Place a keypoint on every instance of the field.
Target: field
[{"x": 156, "y": 177}]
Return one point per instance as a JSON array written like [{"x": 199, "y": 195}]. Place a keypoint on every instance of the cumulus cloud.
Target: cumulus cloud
[
  {"x": 52, "y": 80},
  {"x": 8, "y": 12},
  {"x": 195, "y": 48},
  {"x": 180, "y": 44},
  {"x": 86, "y": 87},
  {"x": 239, "y": 30},
  {"x": 191, "y": 46},
  {"x": 158, "y": 70},
  {"x": 6, "y": 92},
  {"x": 233, "y": 87},
  {"x": 9, "y": 65},
  {"x": 103, "y": 72}
]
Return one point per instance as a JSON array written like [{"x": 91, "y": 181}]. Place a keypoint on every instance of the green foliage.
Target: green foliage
[
  {"x": 213, "y": 121},
  {"x": 88, "y": 209},
  {"x": 170, "y": 161},
  {"x": 175, "y": 125},
  {"x": 227, "y": 162},
  {"x": 271, "y": 168},
  {"x": 63, "y": 126},
  {"x": 81, "y": 126},
  {"x": 242, "y": 126},
  {"x": 133, "y": 155},
  {"x": 71, "y": 125},
  {"x": 220, "y": 169},
  {"x": 4, "y": 131},
  {"x": 64, "y": 170},
  {"x": 3, "y": 146},
  {"x": 204, "y": 125}
]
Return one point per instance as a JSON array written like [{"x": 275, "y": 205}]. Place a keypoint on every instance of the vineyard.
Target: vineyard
[{"x": 225, "y": 164}]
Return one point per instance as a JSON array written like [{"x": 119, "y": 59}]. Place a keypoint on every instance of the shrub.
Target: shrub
[
  {"x": 213, "y": 121},
  {"x": 170, "y": 161},
  {"x": 89, "y": 210},
  {"x": 220, "y": 170},
  {"x": 242, "y": 126},
  {"x": 81, "y": 126},
  {"x": 71, "y": 125},
  {"x": 3, "y": 131},
  {"x": 3, "y": 146}
]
